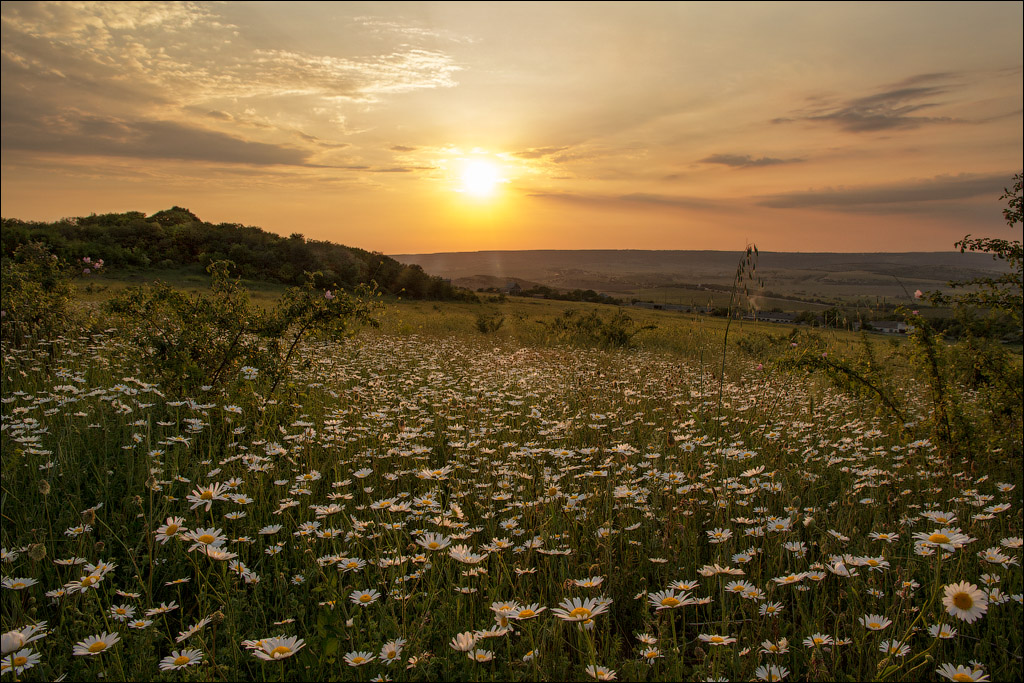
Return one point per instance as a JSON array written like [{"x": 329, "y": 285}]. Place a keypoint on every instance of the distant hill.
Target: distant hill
[
  {"x": 177, "y": 238},
  {"x": 627, "y": 272}
]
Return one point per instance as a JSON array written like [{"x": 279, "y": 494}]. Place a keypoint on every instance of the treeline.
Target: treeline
[{"x": 177, "y": 238}]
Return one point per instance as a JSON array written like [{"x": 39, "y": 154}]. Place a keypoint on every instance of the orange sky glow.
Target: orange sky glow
[{"x": 428, "y": 127}]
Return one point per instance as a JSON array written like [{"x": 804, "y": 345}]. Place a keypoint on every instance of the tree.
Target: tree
[{"x": 1004, "y": 293}]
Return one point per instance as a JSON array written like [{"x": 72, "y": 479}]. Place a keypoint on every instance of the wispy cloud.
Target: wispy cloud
[
  {"x": 892, "y": 197},
  {"x": 634, "y": 199},
  {"x": 896, "y": 106},
  {"x": 746, "y": 161},
  {"x": 145, "y": 139},
  {"x": 173, "y": 80}
]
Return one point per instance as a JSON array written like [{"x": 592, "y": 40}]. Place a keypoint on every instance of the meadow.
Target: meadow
[{"x": 443, "y": 498}]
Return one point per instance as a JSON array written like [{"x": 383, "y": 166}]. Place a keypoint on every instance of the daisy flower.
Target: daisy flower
[
  {"x": 17, "y": 583},
  {"x": 392, "y": 651},
  {"x": 170, "y": 529},
  {"x": 577, "y": 609},
  {"x": 601, "y": 673},
  {"x": 364, "y": 598},
  {"x": 669, "y": 599},
  {"x": 874, "y": 622},
  {"x": 893, "y": 648},
  {"x": 964, "y": 601},
  {"x": 715, "y": 639},
  {"x": 464, "y": 642},
  {"x": 179, "y": 660},
  {"x": 94, "y": 645},
  {"x": 817, "y": 640},
  {"x": 271, "y": 649},
  {"x": 480, "y": 656},
  {"x": 359, "y": 658},
  {"x": 528, "y": 612},
  {"x": 961, "y": 673},
  {"x": 19, "y": 661},
  {"x": 771, "y": 672}
]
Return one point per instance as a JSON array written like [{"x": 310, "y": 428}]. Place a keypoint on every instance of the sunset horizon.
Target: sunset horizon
[{"x": 424, "y": 128}]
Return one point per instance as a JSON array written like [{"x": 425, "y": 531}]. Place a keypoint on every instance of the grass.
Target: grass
[{"x": 602, "y": 475}]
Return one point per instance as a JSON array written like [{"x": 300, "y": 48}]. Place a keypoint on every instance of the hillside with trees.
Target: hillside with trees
[{"x": 177, "y": 238}]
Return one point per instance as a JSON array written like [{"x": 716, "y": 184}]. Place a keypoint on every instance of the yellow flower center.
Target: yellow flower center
[
  {"x": 874, "y": 624},
  {"x": 206, "y": 495},
  {"x": 669, "y": 602},
  {"x": 206, "y": 539},
  {"x": 20, "y": 661},
  {"x": 17, "y": 585},
  {"x": 963, "y": 601},
  {"x": 391, "y": 654},
  {"x": 88, "y": 581},
  {"x": 433, "y": 545},
  {"x": 98, "y": 646},
  {"x": 938, "y": 538},
  {"x": 526, "y": 614},
  {"x": 280, "y": 651},
  {"x": 717, "y": 639},
  {"x": 171, "y": 530},
  {"x": 580, "y": 612},
  {"x": 651, "y": 655},
  {"x": 181, "y": 661},
  {"x": 365, "y": 598},
  {"x": 552, "y": 491},
  {"x": 358, "y": 660},
  {"x": 963, "y": 677}
]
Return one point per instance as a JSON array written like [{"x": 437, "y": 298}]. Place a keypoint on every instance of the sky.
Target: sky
[{"x": 430, "y": 127}]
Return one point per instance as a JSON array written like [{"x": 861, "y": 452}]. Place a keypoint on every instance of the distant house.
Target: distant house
[
  {"x": 891, "y": 326},
  {"x": 513, "y": 288}
]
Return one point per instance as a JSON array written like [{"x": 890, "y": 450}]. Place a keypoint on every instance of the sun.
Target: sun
[{"x": 480, "y": 179}]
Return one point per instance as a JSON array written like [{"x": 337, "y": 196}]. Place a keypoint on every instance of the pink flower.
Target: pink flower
[
  {"x": 760, "y": 366},
  {"x": 918, "y": 294},
  {"x": 328, "y": 295}
]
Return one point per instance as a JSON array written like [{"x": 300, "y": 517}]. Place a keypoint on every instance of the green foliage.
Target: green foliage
[
  {"x": 195, "y": 340},
  {"x": 176, "y": 237},
  {"x": 36, "y": 294},
  {"x": 1004, "y": 293},
  {"x": 591, "y": 329},
  {"x": 489, "y": 323}
]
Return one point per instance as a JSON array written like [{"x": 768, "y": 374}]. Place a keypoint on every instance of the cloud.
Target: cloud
[
  {"x": 627, "y": 200},
  {"x": 892, "y": 198},
  {"x": 78, "y": 134},
  {"x": 745, "y": 160},
  {"x": 402, "y": 148},
  {"x": 538, "y": 152},
  {"x": 897, "y": 106}
]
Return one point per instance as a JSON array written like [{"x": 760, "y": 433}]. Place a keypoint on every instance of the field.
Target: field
[
  {"x": 800, "y": 279},
  {"x": 426, "y": 501}
]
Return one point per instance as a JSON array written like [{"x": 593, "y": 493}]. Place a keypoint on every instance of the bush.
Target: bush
[
  {"x": 195, "y": 341},
  {"x": 591, "y": 329},
  {"x": 36, "y": 295},
  {"x": 489, "y": 323}
]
